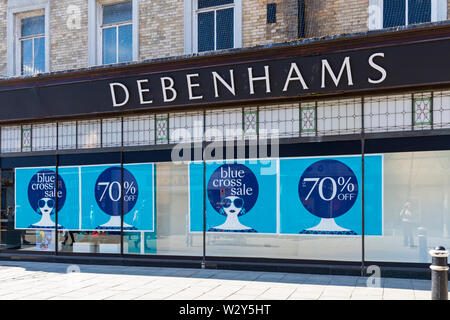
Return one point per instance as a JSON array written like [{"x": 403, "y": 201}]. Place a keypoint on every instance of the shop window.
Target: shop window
[
  {"x": 27, "y": 37},
  {"x": 139, "y": 130},
  {"x": 339, "y": 117},
  {"x": 423, "y": 111},
  {"x": 416, "y": 215},
  {"x": 186, "y": 127},
  {"x": 223, "y": 124},
  {"x": 394, "y": 13},
  {"x": 89, "y": 134},
  {"x": 441, "y": 109},
  {"x": 213, "y": 25},
  {"x": 113, "y": 31},
  {"x": 112, "y": 132},
  {"x": 388, "y": 113},
  {"x": 10, "y": 139},
  {"x": 280, "y": 120},
  {"x": 43, "y": 137}
]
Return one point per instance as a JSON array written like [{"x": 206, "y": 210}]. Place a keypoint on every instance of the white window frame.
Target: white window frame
[
  {"x": 95, "y": 27},
  {"x": 191, "y": 24},
  {"x": 375, "y": 20},
  {"x": 13, "y": 33}
]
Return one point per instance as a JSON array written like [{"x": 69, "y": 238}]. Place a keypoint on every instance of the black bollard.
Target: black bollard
[{"x": 439, "y": 277}]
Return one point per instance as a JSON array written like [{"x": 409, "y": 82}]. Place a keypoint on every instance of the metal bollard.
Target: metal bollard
[{"x": 439, "y": 277}]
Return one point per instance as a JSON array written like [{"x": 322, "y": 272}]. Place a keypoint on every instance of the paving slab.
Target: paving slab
[{"x": 51, "y": 281}]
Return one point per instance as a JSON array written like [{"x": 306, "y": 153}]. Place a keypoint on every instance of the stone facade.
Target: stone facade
[{"x": 162, "y": 24}]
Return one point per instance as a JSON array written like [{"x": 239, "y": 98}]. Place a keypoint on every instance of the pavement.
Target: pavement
[{"x": 59, "y": 281}]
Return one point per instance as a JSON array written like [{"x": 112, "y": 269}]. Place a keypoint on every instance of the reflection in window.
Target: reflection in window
[
  {"x": 32, "y": 45},
  {"x": 117, "y": 33}
]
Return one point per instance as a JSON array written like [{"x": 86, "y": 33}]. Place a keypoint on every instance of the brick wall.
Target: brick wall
[
  {"x": 161, "y": 26},
  {"x": 3, "y": 70},
  {"x": 256, "y": 30},
  {"x": 68, "y": 35},
  {"x": 330, "y": 17}
]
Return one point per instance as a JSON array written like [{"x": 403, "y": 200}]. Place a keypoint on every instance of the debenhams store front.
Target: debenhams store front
[{"x": 323, "y": 152}]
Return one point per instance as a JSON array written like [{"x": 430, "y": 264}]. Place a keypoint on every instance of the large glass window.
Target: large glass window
[
  {"x": 416, "y": 211},
  {"x": 29, "y": 196},
  {"x": 32, "y": 45},
  {"x": 90, "y": 217},
  {"x": 116, "y": 29}
]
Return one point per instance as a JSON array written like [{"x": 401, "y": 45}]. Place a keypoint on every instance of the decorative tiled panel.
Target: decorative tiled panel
[
  {"x": 26, "y": 138},
  {"x": 250, "y": 122},
  {"x": 162, "y": 129},
  {"x": 308, "y": 119}
]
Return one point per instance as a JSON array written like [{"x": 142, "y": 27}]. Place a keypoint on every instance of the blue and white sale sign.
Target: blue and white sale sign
[
  {"x": 89, "y": 197},
  {"x": 241, "y": 196},
  {"x": 322, "y": 196},
  {"x": 36, "y": 194}
]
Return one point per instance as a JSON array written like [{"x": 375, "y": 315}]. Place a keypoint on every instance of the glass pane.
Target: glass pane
[
  {"x": 125, "y": 43},
  {"x": 225, "y": 29},
  {"x": 27, "y": 56},
  {"x": 211, "y": 3},
  {"x": 416, "y": 206},
  {"x": 28, "y": 208},
  {"x": 109, "y": 45},
  {"x": 33, "y": 26},
  {"x": 394, "y": 13},
  {"x": 117, "y": 13},
  {"x": 419, "y": 11},
  {"x": 91, "y": 217},
  {"x": 39, "y": 55},
  {"x": 206, "y": 31},
  {"x": 160, "y": 215}
]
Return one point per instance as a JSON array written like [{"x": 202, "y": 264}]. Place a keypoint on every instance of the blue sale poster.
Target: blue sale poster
[
  {"x": 241, "y": 196},
  {"x": 102, "y": 195},
  {"x": 322, "y": 195},
  {"x": 87, "y": 197},
  {"x": 36, "y": 195}
]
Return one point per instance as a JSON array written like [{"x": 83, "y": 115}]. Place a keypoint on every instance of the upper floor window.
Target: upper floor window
[
  {"x": 215, "y": 24},
  {"x": 116, "y": 30},
  {"x": 212, "y": 25},
  {"x": 27, "y": 37},
  {"x": 394, "y": 13},
  {"x": 113, "y": 31},
  {"x": 32, "y": 45}
]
